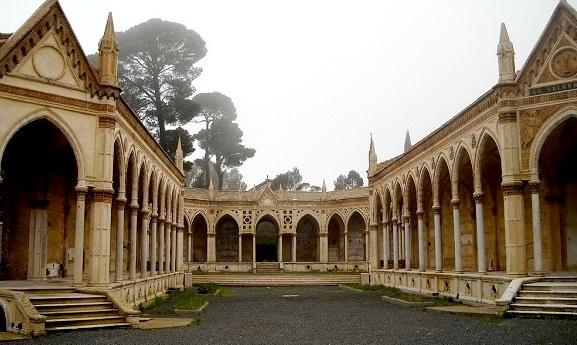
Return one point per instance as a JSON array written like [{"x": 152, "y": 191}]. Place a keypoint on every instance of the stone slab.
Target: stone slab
[
  {"x": 466, "y": 310},
  {"x": 157, "y": 323}
]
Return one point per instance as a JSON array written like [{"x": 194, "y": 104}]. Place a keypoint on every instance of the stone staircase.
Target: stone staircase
[
  {"x": 269, "y": 279},
  {"x": 267, "y": 267},
  {"x": 550, "y": 297},
  {"x": 66, "y": 309}
]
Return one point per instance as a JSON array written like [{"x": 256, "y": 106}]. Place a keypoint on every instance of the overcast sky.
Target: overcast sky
[{"x": 311, "y": 79}]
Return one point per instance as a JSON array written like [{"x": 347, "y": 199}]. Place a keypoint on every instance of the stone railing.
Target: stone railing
[
  {"x": 21, "y": 316},
  {"x": 134, "y": 292},
  {"x": 353, "y": 266},
  {"x": 473, "y": 287}
]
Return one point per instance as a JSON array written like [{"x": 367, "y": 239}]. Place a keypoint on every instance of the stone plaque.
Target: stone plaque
[
  {"x": 48, "y": 63},
  {"x": 564, "y": 63}
]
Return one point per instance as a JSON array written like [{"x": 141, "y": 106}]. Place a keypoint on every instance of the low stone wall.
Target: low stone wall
[
  {"x": 462, "y": 286},
  {"x": 357, "y": 266},
  {"x": 21, "y": 316},
  {"x": 134, "y": 292}
]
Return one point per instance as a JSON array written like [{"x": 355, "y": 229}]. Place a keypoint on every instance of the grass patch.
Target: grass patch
[
  {"x": 187, "y": 299},
  {"x": 398, "y": 294},
  {"x": 207, "y": 289}
]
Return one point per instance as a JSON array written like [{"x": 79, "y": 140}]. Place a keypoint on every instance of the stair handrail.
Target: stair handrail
[
  {"x": 28, "y": 311},
  {"x": 512, "y": 291},
  {"x": 124, "y": 309}
]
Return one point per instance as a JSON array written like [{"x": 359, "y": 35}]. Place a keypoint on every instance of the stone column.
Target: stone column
[
  {"x": 279, "y": 250},
  {"x": 374, "y": 245},
  {"x": 174, "y": 251},
  {"x": 79, "y": 234},
  {"x": 101, "y": 208},
  {"x": 144, "y": 241},
  {"x": 386, "y": 244},
  {"x": 190, "y": 247},
  {"x": 536, "y": 217},
  {"x": 515, "y": 228},
  {"x": 167, "y": 244},
  {"x": 161, "y": 247},
  {"x": 294, "y": 249},
  {"x": 121, "y": 203},
  {"x": 239, "y": 247},
  {"x": 395, "y": 244},
  {"x": 512, "y": 187},
  {"x": 457, "y": 235},
  {"x": 211, "y": 247},
  {"x": 401, "y": 235},
  {"x": 133, "y": 239},
  {"x": 438, "y": 239},
  {"x": 254, "y": 252},
  {"x": 407, "y": 243},
  {"x": 153, "y": 243},
  {"x": 421, "y": 238},
  {"x": 481, "y": 261},
  {"x": 346, "y": 246}
]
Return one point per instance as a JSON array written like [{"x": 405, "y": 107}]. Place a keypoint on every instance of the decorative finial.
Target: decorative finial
[
  {"x": 506, "y": 57},
  {"x": 108, "y": 55}
]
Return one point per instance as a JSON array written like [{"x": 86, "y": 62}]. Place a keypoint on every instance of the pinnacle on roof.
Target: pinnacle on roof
[{"x": 407, "y": 142}]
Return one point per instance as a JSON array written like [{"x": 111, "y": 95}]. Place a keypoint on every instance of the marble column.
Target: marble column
[
  {"x": 79, "y": 234},
  {"x": 153, "y": 243},
  {"x": 279, "y": 248},
  {"x": 421, "y": 239},
  {"x": 346, "y": 246},
  {"x": 133, "y": 239},
  {"x": 239, "y": 247},
  {"x": 144, "y": 241},
  {"x": 254, "y": 251},
  {"x": 536, "y": 218},
  {"x": 395, "y": 244},
  {"x": 515, "y": 228},
  {"x": 374, "y": 245},
  {"x": 438, "y": 239},
  {"x": 481, "y": 261},
  {"x": 174, "y": 251},
  {"x": 101, "y": 209},
  {"x": 408, "y": 257},
  {"x": 161, "y": 247},
  {"x": 167, "y": 243},
  {"x": 457, "y": 235},
  {"x": 386, "y": 244},
  {"x": 294, "y": 249},
  {"x": 121, "y": 204}
]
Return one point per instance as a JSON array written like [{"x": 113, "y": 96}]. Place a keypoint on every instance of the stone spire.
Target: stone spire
[
  {"x": 210, "y": 188},
  {"x": 324, "y": 188},
  {"x": 179, "y": 156},
  {"x": 280, "y": 187},
  {"x": 506, "y": 57},
  {"x": 407, "y": 142},
  {"x": 372, "y": 157},
  {"x": 108, "y": 55}
]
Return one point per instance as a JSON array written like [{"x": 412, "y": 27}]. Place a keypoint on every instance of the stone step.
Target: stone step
[
  {"x": 92, "y": 326},
  {"x": 65, "y": 298},
  {"x": 83, "y": 321},
  {"x": 544, "y": 307},
  {"x": 544, "y": 293},
  {"x": 72, "y": 306},
  {"x": 85, "y": 313},
  {"x": 44, "y": 290},
  {"x": 546, "y": 300},
  {"x": 559, "y": 279},
  {"x": 562, "y": 286},
  {"x": 540, "y": 313}
]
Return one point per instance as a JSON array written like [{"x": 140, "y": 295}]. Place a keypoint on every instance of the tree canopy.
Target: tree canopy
[
  {"x": 156, "y": 70},
  {"x": 292, "y": 181},
  {"x": 350, "y": 181}
]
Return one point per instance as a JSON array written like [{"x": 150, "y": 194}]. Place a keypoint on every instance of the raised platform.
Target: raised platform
[{"x": 272, "y": 279}]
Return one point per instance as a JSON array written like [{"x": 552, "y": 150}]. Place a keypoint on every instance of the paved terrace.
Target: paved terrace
[{"x": 327, "y": 315}]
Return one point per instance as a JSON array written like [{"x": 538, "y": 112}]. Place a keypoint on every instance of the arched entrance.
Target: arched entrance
[
  {"x": 226, "y": 239},
  {"x": 307, "y": 239},
  {"x": 266, "y": 239},
  {"x": 199, "y": 234},
  {"x": 336, "y": 239},
  {"x": 356, "y": 237},
  {"x": 39, "y": 174},
  {"x": 558, "y": 174}
]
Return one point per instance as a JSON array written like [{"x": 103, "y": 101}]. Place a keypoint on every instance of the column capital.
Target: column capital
[
  {"x": 81, "y": 190},
  {"x": 102, "y": 194},
  {"x": 133, "y": 207},
  {"x": 436, "y": 209},
  {"x": 153, "y": 216},
  {"x": 406, "y": 218},
  {"x": 121, "y": 201},
  {"x": 145, "y": 211},
  {"x": 478, "y": 197},
  {"x": 455, "y": 203},
  {"x": 420, "y": 213},
  {"x": 512, "y": 188},
  {"x": 535, "y": 186},
  {"x": 106, "y": 121},
  {"x": 509, "y": 116}
]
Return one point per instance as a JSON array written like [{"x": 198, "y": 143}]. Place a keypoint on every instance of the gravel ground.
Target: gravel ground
[{"x": 327, "y": 315}]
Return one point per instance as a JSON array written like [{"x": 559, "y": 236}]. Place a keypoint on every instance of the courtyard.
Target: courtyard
[{"x": 326, "y": 315}]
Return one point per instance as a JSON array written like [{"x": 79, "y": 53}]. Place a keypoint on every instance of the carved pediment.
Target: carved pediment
[
  {"x": 267, "y": 197},
  {"x": 47, "y": 62},
  {"x": 561, "y": 63}
]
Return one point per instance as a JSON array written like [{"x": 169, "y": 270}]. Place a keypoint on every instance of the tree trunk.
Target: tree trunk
[
  {"x": 219, "y": 171},
  {"x": 159, "y": 113},
  {"x": 206, "y": 157}
]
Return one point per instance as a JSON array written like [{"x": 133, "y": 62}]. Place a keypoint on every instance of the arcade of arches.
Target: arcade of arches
[{"x": 87, "y": 194}]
